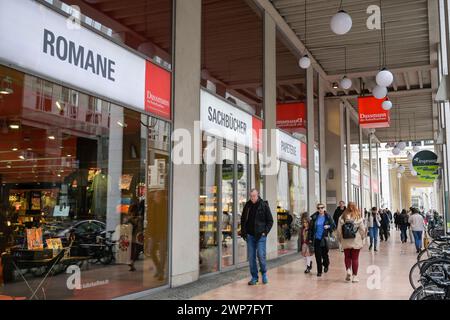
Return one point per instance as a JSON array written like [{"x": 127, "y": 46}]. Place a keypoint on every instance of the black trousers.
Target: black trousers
[
  {"x": 321, "y": 253},
  {"x": 384, "y": 232}
]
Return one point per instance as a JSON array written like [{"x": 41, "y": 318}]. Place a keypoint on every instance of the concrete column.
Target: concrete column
[
  {"x": 361, "y": 171},
  {"x": 310, "y": 130},
  {"x": 186, "y": 182},
  {"x": 370, "y": 171},
  {"x": 349, "y": 155},
  {"x": 334, "y": 142},
  {"x": 322, "y": 141},
  {"x": 270, "y": 102}
]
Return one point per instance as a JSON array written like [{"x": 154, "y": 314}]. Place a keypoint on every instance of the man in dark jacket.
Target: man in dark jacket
[
  {"x": 256, "y": 222},
  {"x": 338, "y": 212},
  {"x": 320, "y": 227},
  {"x": 384, "y": 230}
]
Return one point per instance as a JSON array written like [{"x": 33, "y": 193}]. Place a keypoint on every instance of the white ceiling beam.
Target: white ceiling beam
[
  {"x": 400, "y": 93},
  {"x": 419, "y": 74},
  {"x": 406, "y": 77},
  {"x": 373, "y": 73}
]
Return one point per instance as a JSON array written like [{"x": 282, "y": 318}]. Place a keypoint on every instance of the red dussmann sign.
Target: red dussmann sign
[
  {"x": 291, "y": 117},
  {"x": 371, "y": 114},
  {"x": 157, "y": 90}
]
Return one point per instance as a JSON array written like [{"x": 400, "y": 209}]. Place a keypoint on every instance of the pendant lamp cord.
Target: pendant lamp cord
[
  {"x": 341, "y": 5},
  {"x": 305, "y": 24}
]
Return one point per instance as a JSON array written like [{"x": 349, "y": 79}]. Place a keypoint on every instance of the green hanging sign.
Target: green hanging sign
[{"x": 426, "y": 166}]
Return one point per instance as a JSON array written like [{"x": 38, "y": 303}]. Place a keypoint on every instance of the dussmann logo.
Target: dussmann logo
[
  {"x": 373, "y": 116},
  {"x": 158, "y": 101}
]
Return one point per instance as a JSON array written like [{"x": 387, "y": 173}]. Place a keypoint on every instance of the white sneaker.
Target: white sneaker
[
  {"x": 355, "y": 279},
  {"x": 348, "y": 277}
]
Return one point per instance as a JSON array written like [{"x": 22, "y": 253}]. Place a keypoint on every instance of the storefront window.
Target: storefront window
[
  {"x": 75, "y": 198},
  {"x": 209, "y": 178},
  {"x": 227, "y": 238},
  {"x": 242, "y": 194}
]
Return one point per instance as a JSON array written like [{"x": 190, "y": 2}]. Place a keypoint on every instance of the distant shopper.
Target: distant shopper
[
  {"x": 307, "y": 249},
  {"x": 351, "y": 234},
  {"x": 338, "y": 212},
  {"x": 417, "y": 227},
  {"x": 320, "y": 228},
  {"x": 373, "y": 225},
  {"x": 256, "y": 222},
  {"x": 403, "y": 224},
  {"x": 384, "y": 227},
  {"x": 389, "y": 213},
  {"x": 396, "y": 216}
]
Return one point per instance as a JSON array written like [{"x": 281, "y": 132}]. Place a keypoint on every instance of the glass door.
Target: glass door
[
  {"x": 242, "y": 197},
  {"x": 227, "y": 214}
]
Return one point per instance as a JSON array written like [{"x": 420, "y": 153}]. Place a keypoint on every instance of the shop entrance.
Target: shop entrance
[{"x": 224, "y": 192}]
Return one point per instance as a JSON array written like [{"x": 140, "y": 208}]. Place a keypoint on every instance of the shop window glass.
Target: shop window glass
[{"x": 80, "y": 190}]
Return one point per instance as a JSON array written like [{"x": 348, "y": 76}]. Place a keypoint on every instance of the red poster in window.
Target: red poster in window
[
  {"x": 291, "y": 117},
  {"x": 304, "y": 155},
  {"x": 257, "y": 127},
  {"x": 157, "y": 90},
  {"x": 371, "y": 114}
]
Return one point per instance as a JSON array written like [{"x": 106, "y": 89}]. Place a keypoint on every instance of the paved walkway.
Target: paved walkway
[{"x": 288, "y": 281}]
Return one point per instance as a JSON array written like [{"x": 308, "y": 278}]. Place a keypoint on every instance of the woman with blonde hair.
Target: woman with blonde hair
[{"x": 351, "y": 233}]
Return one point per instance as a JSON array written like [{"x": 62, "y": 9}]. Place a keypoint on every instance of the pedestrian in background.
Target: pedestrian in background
[
  {"x": 307, "y": 249},
  {"x": 417, "y": 227},
  {"x": 373, "y": 225}
]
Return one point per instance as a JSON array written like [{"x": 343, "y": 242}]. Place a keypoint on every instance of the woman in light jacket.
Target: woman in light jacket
[
  {"x": 373, "y": 225},
  {"x": 352, "y": 246}
]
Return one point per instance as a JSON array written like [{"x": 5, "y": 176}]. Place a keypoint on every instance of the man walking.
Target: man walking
[{"x": 256, "y": 222}]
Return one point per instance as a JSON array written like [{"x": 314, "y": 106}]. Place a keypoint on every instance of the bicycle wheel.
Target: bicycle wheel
[
  {"x": 437, "y": 268},
  {"x": 415, "y": 274},
  {"x": 428, "y": 292}
]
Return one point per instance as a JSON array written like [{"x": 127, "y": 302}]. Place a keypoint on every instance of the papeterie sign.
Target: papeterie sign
[
  {"x": 426, "y": 166},
  {"x": 289, "y": 148},
  {"x": 37, "y": 39}
]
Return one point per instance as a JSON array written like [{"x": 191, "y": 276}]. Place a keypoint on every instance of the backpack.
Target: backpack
[{"x": 349, "y": 230}]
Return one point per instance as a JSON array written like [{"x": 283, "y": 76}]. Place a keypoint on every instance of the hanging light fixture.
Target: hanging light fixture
[
  {"x": 345, "y": 83},
  {"x": 387, "y": 104},
  {"x": 335, "y": 85},
  {"x": 305, "y": 61},
  {"x": 399, "y": 175},
  {"x": 379, "y": 92},
  {"x": 396, "y": 151},
  {"x": 401, "y": 169},
  {"x": 384, "y": 78},
  {"x": 401, "y": 145},
  {"x": 341, "y": 22}
]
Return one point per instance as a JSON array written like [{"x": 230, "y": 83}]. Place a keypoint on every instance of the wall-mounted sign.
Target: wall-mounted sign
[
  {"x": 291, "y": 117},
  {"x": 224, "y": 120},
  {"x": 39, "y": 40},
  {"x": 289, "y": 148},
  {"x": 304, "y": 155},
  {"x": 371, "y": 114},
  {"x": 425, "y": 164}
]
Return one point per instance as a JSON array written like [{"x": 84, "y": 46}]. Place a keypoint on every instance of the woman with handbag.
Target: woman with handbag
[
  {"x": 351, "y": 234},
  {"x": 306, "y": 248},
  {"x": 320, "y": 228}
]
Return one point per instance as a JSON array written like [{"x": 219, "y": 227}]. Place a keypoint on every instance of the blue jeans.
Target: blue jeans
[
  {"x": 418, "y": 239},
  {"x": 373, "y": 234},
  {"x": 256, "y": 248}
]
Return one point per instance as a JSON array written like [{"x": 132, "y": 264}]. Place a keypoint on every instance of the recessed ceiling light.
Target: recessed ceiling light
[
  {"x": 69, "y": 155},
  {"x": 21, "y": 157},
  {"x": 8, "y": 166},
  {"x": 58, "y": 105},
  {"x": 14, "y": 149},
  {"x": 29, "y": 149},
  {"x": 121, "y": 124},
  {"x": 14, "y": 126},
  {"x": 51, "y": 137},
  {"x": 59, "y": 175}
]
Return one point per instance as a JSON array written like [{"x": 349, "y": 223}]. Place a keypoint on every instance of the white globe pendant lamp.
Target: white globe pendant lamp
[
  {"x": 379, "y": 92},
  {"x": 387, "y": 104},
  {"x": 396, "y": 151},
  {"x": 304, "y": 62},
  {"x": 345, "y": 83},
  {"x": 341, "y": 23},
  {"x": 384, "y": 78},
  {"x": 399, "y": 175},
  {"x": 401, "y": 145},
  {"x": 401, "y": 169}
]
